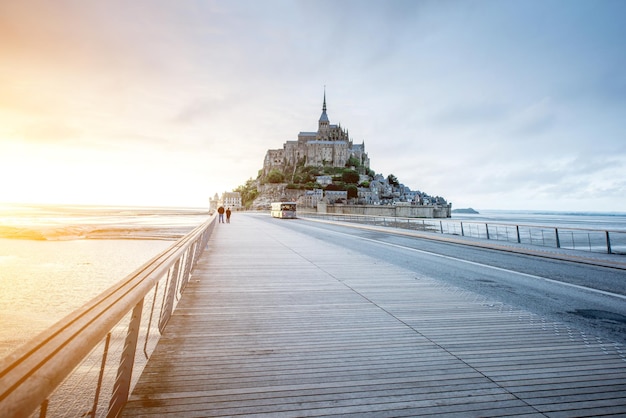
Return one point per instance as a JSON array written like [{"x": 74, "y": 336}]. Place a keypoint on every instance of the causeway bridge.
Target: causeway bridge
[{"x": 289, "y": 318}]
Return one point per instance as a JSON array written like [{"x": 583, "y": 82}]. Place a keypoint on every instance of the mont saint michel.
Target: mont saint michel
[{"x": 325, "y": 170}]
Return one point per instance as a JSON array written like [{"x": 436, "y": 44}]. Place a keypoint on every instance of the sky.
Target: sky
[{"x": 489, "y": 104}]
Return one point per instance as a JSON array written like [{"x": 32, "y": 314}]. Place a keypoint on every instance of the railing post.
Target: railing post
[
  {"x": 462, "y": 232},
  {"x": 43, "y": 409},
  {"x": 121, "y": 388},
  {"x": 558, "y": 242},
  {"x": 519, "y": 239},
  {"x": 103, "y": 363},
  {"x": 441, "y": 226},
  {"x": 171, "y": 293},
  {"x": 487, "y": 229},
  {"x": 608, "y": 243},
  {"x": 187, "y": 271}
]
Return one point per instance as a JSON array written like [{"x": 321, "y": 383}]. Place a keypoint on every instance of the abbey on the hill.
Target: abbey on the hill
[
  {"x": 324, "y": 170},
  {"x": 330, "y": 146}
]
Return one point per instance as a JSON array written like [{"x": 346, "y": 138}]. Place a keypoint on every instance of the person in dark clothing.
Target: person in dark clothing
[
  {"x": 220, "y": 210},
  {"x": 228, "y": 215}
]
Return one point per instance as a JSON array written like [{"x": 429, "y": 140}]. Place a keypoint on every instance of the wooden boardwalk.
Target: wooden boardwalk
[{"x": 275, "y": 323}]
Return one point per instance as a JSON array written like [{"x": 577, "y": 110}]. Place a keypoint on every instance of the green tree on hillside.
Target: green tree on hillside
[
  {"x": 275, "y": 176},
  {"x": 334, "y": 186},
  {"x": 350, "y": 177},
  {"x": 353, "y": 192},
  {"x": 353, "y": 162},
  {"x": 248, "y": 193}
]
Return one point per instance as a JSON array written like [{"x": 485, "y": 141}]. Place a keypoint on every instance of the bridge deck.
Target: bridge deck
[{"x": 275, "y": 323}]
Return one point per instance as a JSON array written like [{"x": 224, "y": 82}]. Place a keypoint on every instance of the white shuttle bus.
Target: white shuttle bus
[{"x": 284, "y": 210}]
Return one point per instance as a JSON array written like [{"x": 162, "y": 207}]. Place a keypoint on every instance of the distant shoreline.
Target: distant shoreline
[
  {"x": 466, "y": 211},
  {"x": 553, "y": 212}
]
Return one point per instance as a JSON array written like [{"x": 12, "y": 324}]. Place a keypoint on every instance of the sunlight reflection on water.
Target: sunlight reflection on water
[
  {"x": 53, "y": 259},
  {"x": 43, "y": 281}
]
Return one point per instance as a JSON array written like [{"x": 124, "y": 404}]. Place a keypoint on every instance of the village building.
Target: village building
[
  {"x": 232, "y": 200},
  {"x": 312, "y": 197},
  {"x": 324, "y": 180},
  {"x": 336, "y": 196}
]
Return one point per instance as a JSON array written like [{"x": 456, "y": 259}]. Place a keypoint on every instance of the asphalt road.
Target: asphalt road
[{"x": 589, "y": 298}]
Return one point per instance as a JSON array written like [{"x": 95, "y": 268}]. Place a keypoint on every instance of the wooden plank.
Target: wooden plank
[{"x": 274, "y": 323}]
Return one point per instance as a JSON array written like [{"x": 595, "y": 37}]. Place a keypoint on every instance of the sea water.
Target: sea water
[
  {"x": 604, "y": 221},
  {"x": 53, "y": 259}
]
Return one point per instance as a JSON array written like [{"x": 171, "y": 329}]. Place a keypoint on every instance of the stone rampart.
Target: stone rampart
[
  {"x": 269, "y": 193},
  {"x": 404, "y": 211}
]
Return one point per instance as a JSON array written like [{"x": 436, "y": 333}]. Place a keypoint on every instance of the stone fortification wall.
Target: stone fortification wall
[
  {"x": 269, "y": 193},
  {"x": 412, "y": 211},
  {"x": 442, "y": 211}
]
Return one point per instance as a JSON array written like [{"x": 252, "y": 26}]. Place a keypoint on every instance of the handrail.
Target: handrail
[
  {"x": 31, "y": 374},
  {"x": 584, "y": 239}
]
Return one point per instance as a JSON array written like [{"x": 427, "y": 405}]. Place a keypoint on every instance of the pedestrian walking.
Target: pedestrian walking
[
  {"x": 220, "y": 211},
  {"x": 228, "y": 215}
]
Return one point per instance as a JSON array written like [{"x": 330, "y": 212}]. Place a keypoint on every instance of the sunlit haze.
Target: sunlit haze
[{"x": 490, "y": 104}]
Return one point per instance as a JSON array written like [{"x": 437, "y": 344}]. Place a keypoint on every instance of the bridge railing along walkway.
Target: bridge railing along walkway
[
  {"x": 86, "y": 363},
  {"x": 276, "y": 323},
  {"x": 581, "y": 239}
]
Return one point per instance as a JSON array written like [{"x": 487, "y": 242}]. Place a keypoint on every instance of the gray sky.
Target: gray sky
[{"x": 490, "y": 104}]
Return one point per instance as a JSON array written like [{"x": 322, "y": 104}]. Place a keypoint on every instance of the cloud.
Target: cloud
[
  {"x": 50, "y": 132},
  {"x": 606, "y": 88},
  {"x": 535, "y": 119},
  {"x": 459, "y": 115},
  {"x": 196, "y": 110},
  {"x": 552, "y": 178}
]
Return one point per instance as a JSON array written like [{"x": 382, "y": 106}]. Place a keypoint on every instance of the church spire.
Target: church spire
[{"x": 323, "y": 122}]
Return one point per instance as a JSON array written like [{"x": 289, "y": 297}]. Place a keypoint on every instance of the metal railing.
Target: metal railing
[
  {"x": 88, "y": 363},
  {"x": 592, "y": 240}
]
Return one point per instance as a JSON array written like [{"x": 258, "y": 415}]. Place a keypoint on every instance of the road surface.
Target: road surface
[{"x": 587, "y": 297}]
